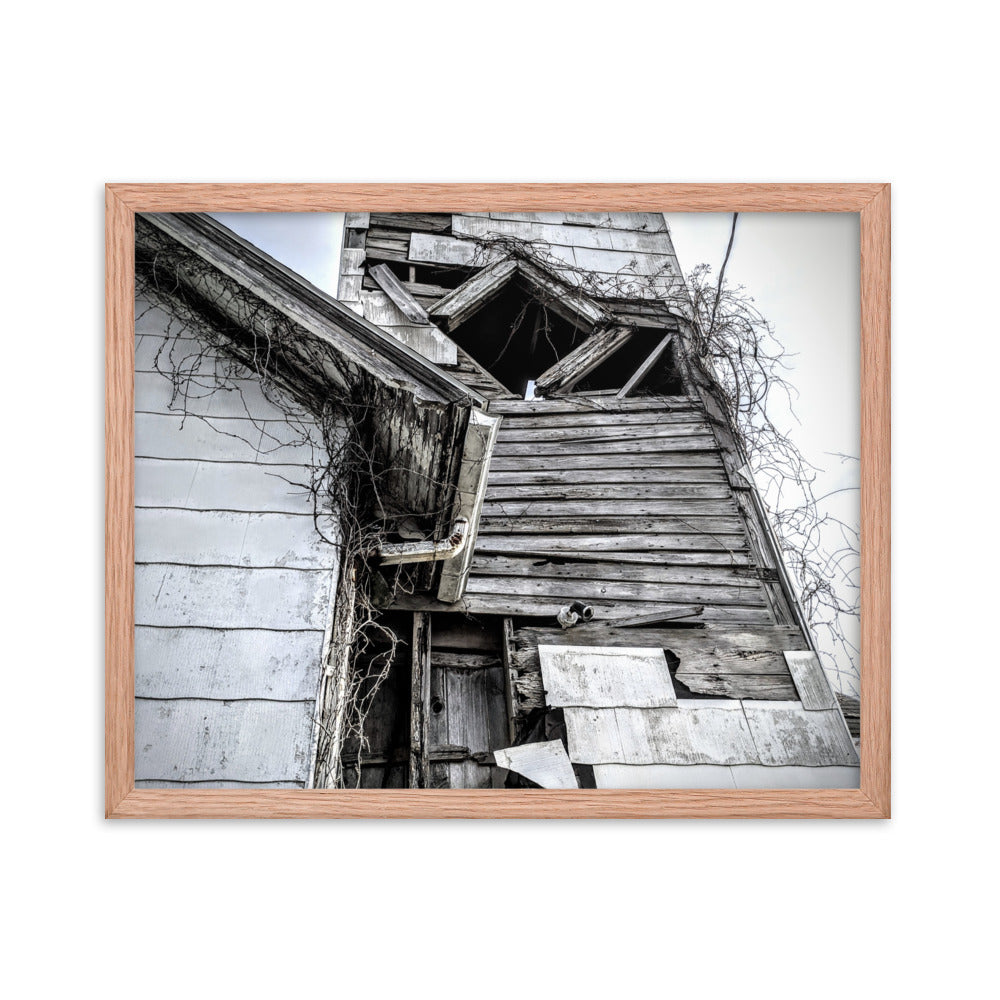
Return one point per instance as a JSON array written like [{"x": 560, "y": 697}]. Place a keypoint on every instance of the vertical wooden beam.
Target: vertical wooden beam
[
  {"x": 420, "y": 687},
  {"x": 507, "y": 652}
]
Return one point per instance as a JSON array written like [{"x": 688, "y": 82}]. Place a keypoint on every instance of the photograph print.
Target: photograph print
[{"x": 496, "y": 500}]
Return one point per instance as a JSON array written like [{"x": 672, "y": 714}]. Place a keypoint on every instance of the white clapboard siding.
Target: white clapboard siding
[
  {"x": 246, "y": 741},
  {"x": 227, "y": 538},
  {"x": 222, "y": 597},
  {"x": 255, "y": 785},
  {"x": 787, "y": 734},
  {"x": 249, "y": 486},
  {"x": 226, "y": 664},
  {"x": 159, "y": 435},
  {"x": 240, "y": 398},
  {"x": 606, "y": 676},
  {"x": 546, "y": 764},
  {"x": 710, "y": 734}
]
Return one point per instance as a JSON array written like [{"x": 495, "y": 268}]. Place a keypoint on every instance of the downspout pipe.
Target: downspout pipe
[{"x": 430, "y": 550}]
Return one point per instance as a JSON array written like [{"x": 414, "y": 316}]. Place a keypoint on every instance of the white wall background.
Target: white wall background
[{"x": 756, "y": 92}]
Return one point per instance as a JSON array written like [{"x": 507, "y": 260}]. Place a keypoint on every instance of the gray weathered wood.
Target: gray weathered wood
[
  {"x": 710, "y": 532},
  {"x": 811, "y": 681},
  {"x": 514, "y": 489},
  {"x": 761, "y": 687},
  {"x": 546, "y": 764},
  {"x": 480, "y": 439},
  {"x": 726, "y": 547},
  {"x": 397, "y": 291},
  {"x": 566, "y": 372},
  {"x": 599, "y": 507},
  {"x": 616, "y": 444},
  {"x": 600, "y": 461},
  {"x": 420, "y": 668},
  {"x": 606, "y": 676},
  {"x": 466, "y": 300}
]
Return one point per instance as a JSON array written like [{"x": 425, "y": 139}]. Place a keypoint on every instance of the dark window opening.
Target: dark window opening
[
  {"x": 428, "y": 274},
  {"x": 615, "y": 371},
  {"x": 517, "y": 339}
]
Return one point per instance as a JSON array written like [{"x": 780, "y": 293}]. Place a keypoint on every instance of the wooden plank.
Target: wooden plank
[
  {"x": 715, "y": 733},
  {"x": 227, "y": 664},
  {"x": 546, "y": 764},
  {"x": 466, "y": 300},
  {"x": 601, "y": 460},
  {"x": 579, "y": 363},
  {"x": 729, "y": 650},
  {"x": 435, "y": 249},
  {"x": 468, "y": 726},
  {"x": 611, "y": 477},
  {"x": 606, "y": 676},
  {"x": 477, "y": 450},
  {"x": 749, "y": 594},
  {"x": 513, "y": 489},
  {"x": 598, "y": 506},
  {"x": 644, "y": 369},
  {"x": 682, "y": 614},
  {"x": 574, "y": 306},
  {"x": 810, "y": 679},
  {"x": 546, "y": 608},
  {"x": 651, "y": 571},
  {"x": 401, "y": 298},
  {"x": 609, "y": 430},
  {"x": 576, "y": 406},
  {"x": 618, "y": 445},
  {"x": 226, "y": 538},
  {"x": 463, "y": 660},
  {"x": 510, "y": 677},
  {"x": 543, "y": 233},
  {"x": 197, "y": 740},
  {"x": 420, "y": 670},
  {"x": 761, "y": 687},
  {"x": 515, "y": 422},
  {"x": 797, "y": 736},
  {"x": 711, "y": 533},
  {"x": 222, "y": 597},
  {"x": 422, "y": 222},
  {"x": 572, "y": 544},
  {"x": 667, "y": 558}
]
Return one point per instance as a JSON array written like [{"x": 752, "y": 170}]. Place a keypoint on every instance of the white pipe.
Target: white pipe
[{"x": 427, "y": 551}]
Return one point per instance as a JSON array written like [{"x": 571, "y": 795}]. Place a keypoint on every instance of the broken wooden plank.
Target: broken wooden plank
[
  {"x": 403, "y": 300},
  {"x": 674, "y": 614},
  {"x": 811, "y": 681},
  {"x": 610, "y": 430},
  {"x": 546, "y": 764},
  {"x": 606, "y": 676},
  {"x": 599, "y": 507},
  {"x": 657, "y": 476},
  {"x": 760, "y": 687},
  {"x": 644, "y": 369},
  {"x": 510, "y": 676},
  {"x": 463, "y": 661},
  {"x": 579, "y": 363},
  {"x": 466, "y": 300}
]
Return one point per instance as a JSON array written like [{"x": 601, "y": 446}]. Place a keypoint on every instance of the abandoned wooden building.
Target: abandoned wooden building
[{"x": 479, "y": 521}]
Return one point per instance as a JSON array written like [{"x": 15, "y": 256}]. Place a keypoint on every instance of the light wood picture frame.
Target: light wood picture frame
[{"x": 871, "y": 800}]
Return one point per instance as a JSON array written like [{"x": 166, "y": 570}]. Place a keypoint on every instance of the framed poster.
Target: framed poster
[{"x": 488, "y": 507}]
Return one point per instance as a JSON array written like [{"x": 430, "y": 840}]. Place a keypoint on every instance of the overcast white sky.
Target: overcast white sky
[{"x": 801, "y": 268}]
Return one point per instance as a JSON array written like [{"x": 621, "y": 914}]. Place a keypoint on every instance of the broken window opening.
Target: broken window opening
[
  {"x": 615, "y": 372},
  {"x": 516, "y": 338}
]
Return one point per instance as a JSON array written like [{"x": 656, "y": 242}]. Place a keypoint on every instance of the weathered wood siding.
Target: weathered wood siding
[
  {"x": 621, "y": 504},
  {"x": 233, "y": 582}
]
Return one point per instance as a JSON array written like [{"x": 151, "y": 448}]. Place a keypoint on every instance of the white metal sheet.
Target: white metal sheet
[
  {"x": 546, "y": 764},
  {"x": 799, "y": 736},
  {"x": 606, "y": 676},
  {"x": 704, "y": 735}
]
